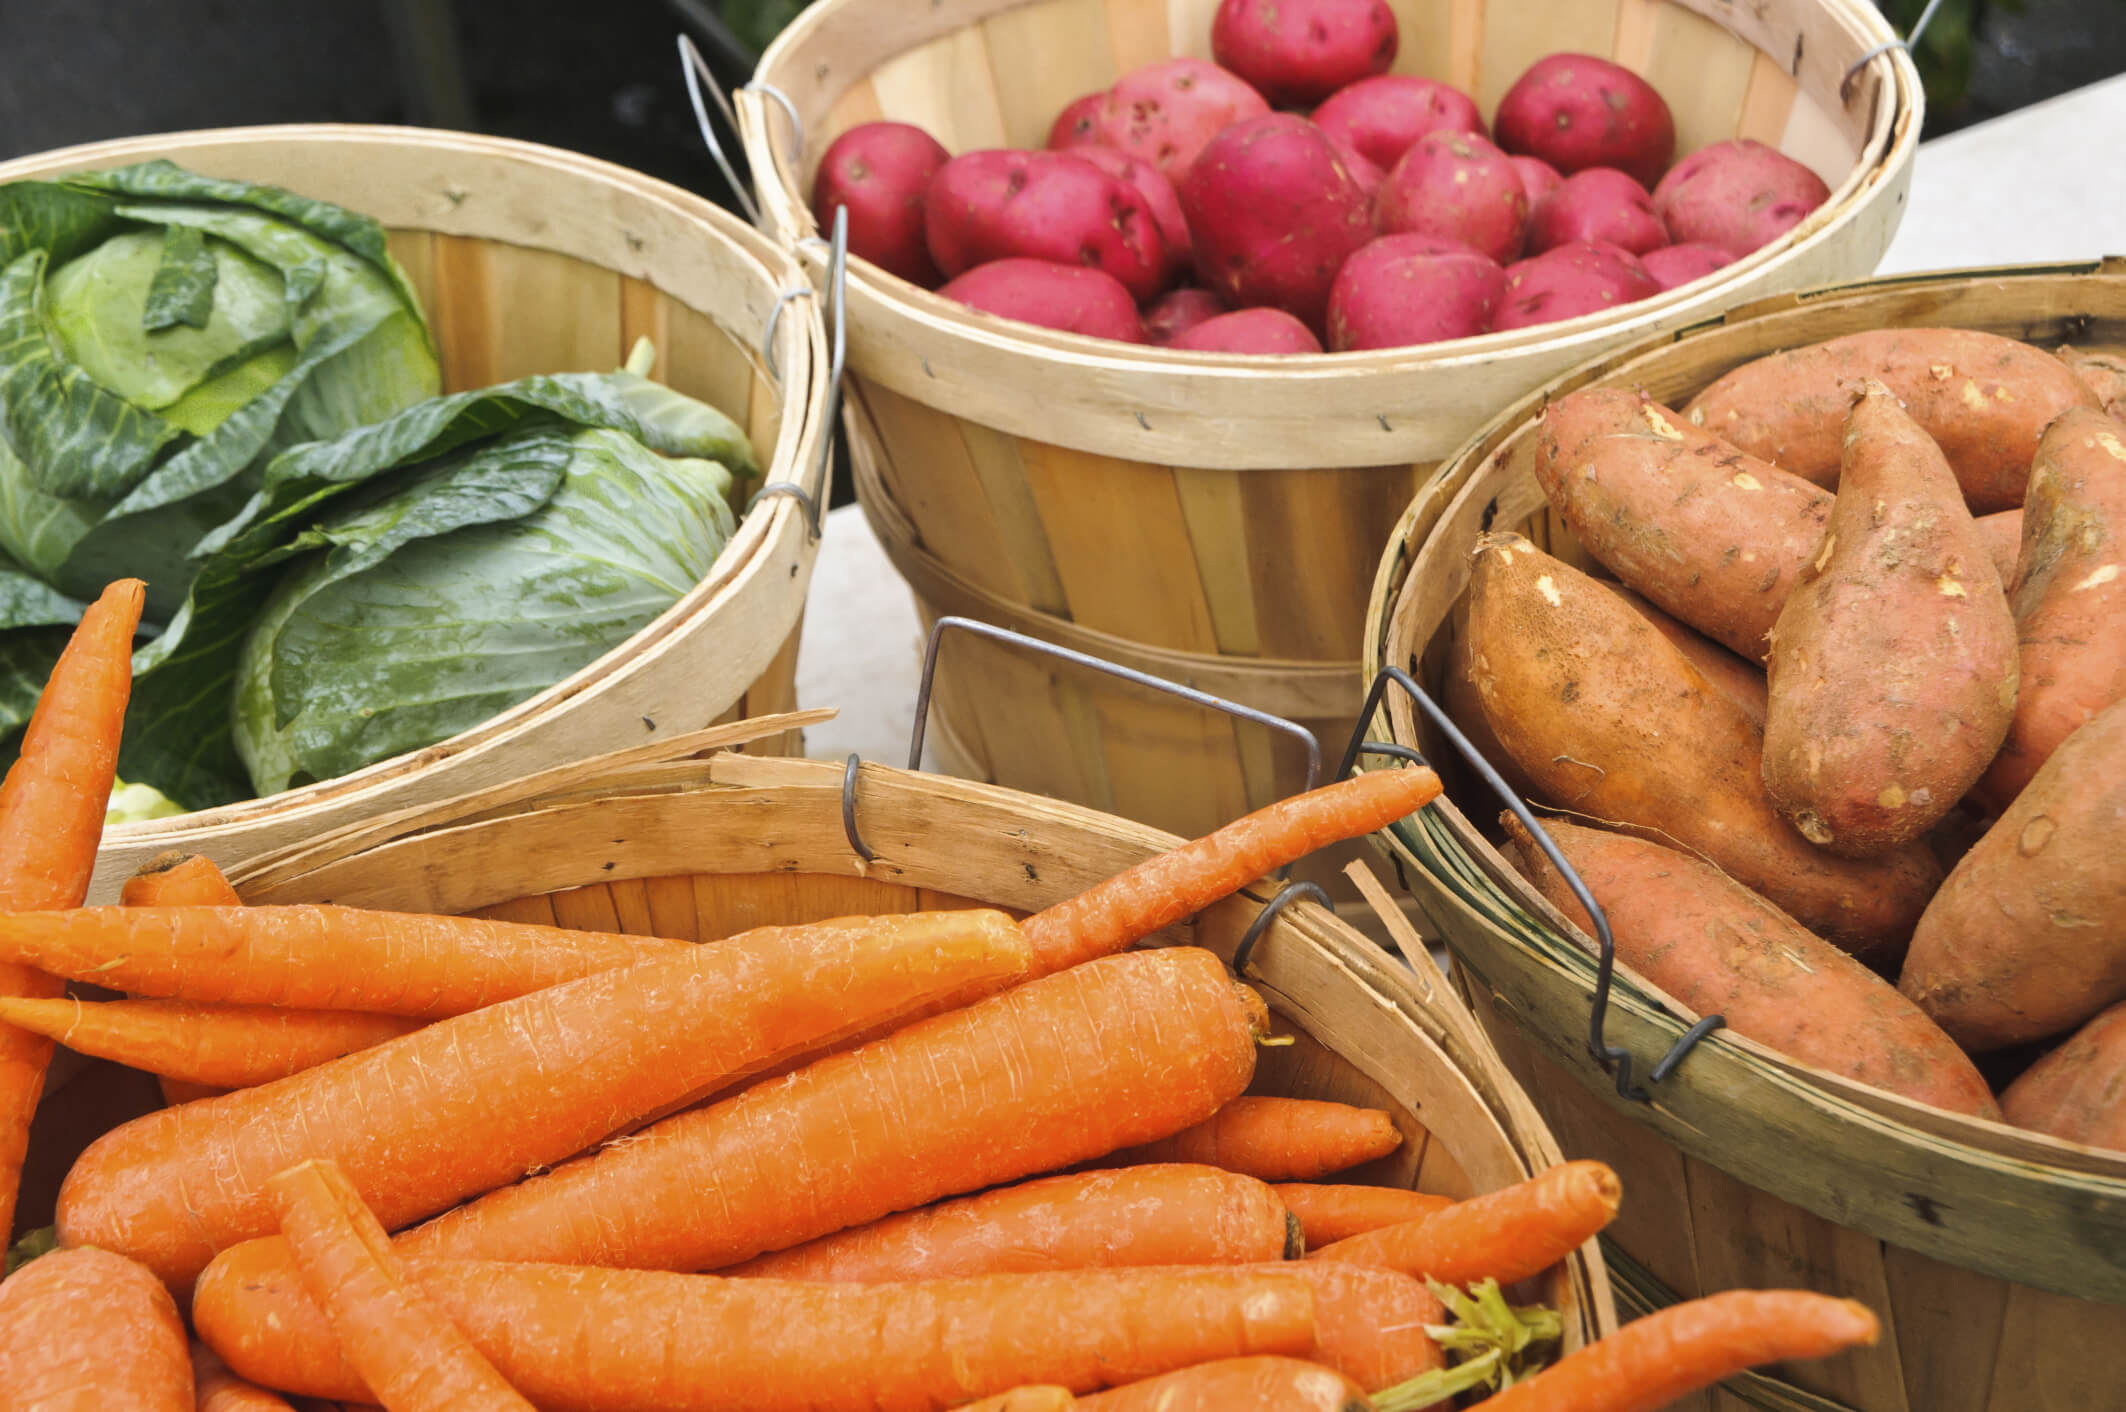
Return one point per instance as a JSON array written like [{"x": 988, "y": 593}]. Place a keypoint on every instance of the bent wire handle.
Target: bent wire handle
[
  {"x": 1919, "y": 27},
  {"x": 695, "y": 70},
  {"x": 1614, "y": 1058},
  {"x": 814, "y": 497}
]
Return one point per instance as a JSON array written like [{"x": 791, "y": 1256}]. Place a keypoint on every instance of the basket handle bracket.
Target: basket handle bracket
[{"x": 1919, "y": 27}]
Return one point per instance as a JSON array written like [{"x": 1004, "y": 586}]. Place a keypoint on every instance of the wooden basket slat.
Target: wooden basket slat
[
  {"x": 1121, "y": 547},
  {"x": 1515, "y": 36},
  {"x": 944, "y": 482},
  {"x": 1707, "y": 66},
  {"x": 1214, "y": 513},
  {"x": 1137, "y": 34},
  {"x": 1043, "y": 56}
]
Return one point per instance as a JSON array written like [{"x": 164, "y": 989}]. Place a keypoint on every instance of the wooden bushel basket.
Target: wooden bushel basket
[
  {"x": 1210, "y": 518},
  {"x": 533, "y": 260},
  {"x": 1996, "y": 1257}
]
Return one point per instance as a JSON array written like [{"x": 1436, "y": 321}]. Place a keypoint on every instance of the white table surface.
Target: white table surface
[{"x": 2003, "y": 192}]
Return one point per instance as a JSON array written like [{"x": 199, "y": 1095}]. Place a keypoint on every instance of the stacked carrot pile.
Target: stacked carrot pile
[{"x": 932, "y": 1160}]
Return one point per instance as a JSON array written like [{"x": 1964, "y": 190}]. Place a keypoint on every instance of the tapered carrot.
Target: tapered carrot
[
  {"x": 1278, "y": 1139},
  {"x": 467, "y": 1104},
  {"x": 89, "y": 1331},
  {"x": 219, "y": 1390},
  {"x": 412, "y": 1358},
  {"x": 1043, "y": 1397},
  {"x": 1156, "y": 1215},
  {"x": 1369, "y": 1323},
  {"x": 577, "y": 1339},
  {"x": 1329, "y": 1213},
  {"x": 176, "y": 879},
  {"x": 1162, "y": 890},
  {"x": 1506, "y": 1235},
  {"x": 221, "y": 1046},
  {"x": 315, "y": 957},
  {"x": 1262, "y": 1384},
  {"x": 1053, "y": 1073},
  {"x": 51, "y": 820},
  {"x": 1673, "y": 1352}
]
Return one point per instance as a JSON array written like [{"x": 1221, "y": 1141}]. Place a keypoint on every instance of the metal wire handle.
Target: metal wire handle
[
  {"x": 1919, "y": 27},
  {"x": 1613, "y": 1058},
  {"x": 813, "y": 497},
  {"x": 695, "y": 70},
  {"x": 1288, "y": 894}
]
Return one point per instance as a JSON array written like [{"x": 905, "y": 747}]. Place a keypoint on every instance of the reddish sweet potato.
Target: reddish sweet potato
[
  {"x": 1538, "y": 178},
  {"x": 1159, "y": 198},
  {"x": 1052, "y": 206},
  {"x": 1384, "y": 115},
  {"x": 1249, "y": 331},
  {"x": 1458, "y": 186},
  {"x": 880, "y": 172},
  {"x": 1674, "y": 265},
  {"x": 1163, "y": 113},
  {"x": 1576, "y": 111},
  {"x": 1274, "y": 214},
  {"x": 1409, "y": 289},
  {"x": 1611, "y": 721},
  {"x": 1298, "y": 52},
  {"x": 1179, "y": 310},
  {"x": 1570, "y": 280},
  {"x": 1072, "y": 298},
  {"x": 2003, "y": 533},
  {"x": 2078, "y": 1091},
  {"x": 2068, "y": 594},
  {"x": 1720, "y": 949},
  {"x": 2102, "y": 373},
  {"x": 1739, "y": 195},
  {"x": 1984, "y": 399},
  {"x": 2027, "y": 938},
  {"x": 1711, "y": 535},
  {"x": 1600, "y": 204}
]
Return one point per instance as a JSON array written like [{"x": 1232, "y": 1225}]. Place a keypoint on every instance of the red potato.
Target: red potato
[
  {"x": 1538, "y": 178},
  {"x": 1576, "y": 111},
  {"x": 1177, "y": 311},
  {"x": 1164, "y": 113},
  {"x": 881, "y": 172},
  {"x": 1458, "y": 186},
  {"x": 1402, "y": 290},
  {"x": 1071, "y": 298},
  {"x": 1381, "y": 117},
  {"x": 1053, "y": 206},
  {"x": 1249, "y": 331},
  {"x": 1363, "y": 170},
  {"x": 2078, "y": 1091},
  {"x": 1275, "y": 213},
  {"x": 1299, "y": 52},
  {"x": 1159, "y": 198},
  {"x": 1739, "y": 195},
  {"x": 1674, "y": 265},
  {"x": 1602, "y": 205},
  {"x": 1570, "y": 280}
]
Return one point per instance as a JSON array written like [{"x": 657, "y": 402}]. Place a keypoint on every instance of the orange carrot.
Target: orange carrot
[
  {"x": 1163, "y": 1215},
  {"x": 86, "y": 1330},
  {"x": 1054, "y": 1073},
  {"x": 1334, "y": 1212},
  {"x": 423, "y": 1121},
  {"x": 1043, "y": 1397},
  {"x": 175, "y": 879},
  {"x": 220, "y": 1390},
  {"x": 51, "y": 820},
  {"x": 176, "y": 1091},
  {"x": 315, "y": 957},
  {"x": 409, "y": 1355},
  {"x": 1278, "y": 1139},
  {"x": 1505, "y": 1235},
  {"x": 1264, "y": 1384},
  {"x": 1162, "y": 890},
  {"x": 1674, "y": 1352},
  {"x": 576, "y": 1339},
  {"x": 220, "y": 1046},
  {"x": 1369, "y": 1324}
]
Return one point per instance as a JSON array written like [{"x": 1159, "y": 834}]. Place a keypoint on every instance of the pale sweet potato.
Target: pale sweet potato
[
  {"x": 2003, "y": 533},
  {"x": 1893, "y": 663},
  {"x": 1179, "y": 310},
  {"x": 1298, "y": 52},
  {"x": 2068, "y": 595},
  {"x": 1741, "y": 682},
  {"x": 2078, "y": 1091},
  {"x": 1713, "y": 536},
  {"x": 2102, "y": 373},
  {"x": 1073, "y": 298},
  {"x": 1158, "y": 195},
  {"x": 1457, "y": 186},
  {"x": 1569, "y": 280},
  {"x": 1720, "y": 949},
  {"x": 1675, "y": 265},
  {"x": 1382, "y": 116},
  {"x": 1577, "y": 111},
  {"x": 2027, "y": 938},
  {"x": 1611, "y": 721},
  {"x": 1401, "y": 290},
  {"x": 1163, "y": 113},
  {"x": 1984, "y": 399},
  {"x": 881, "y": 173},
  {"x": 1598, "y": 204},
  {"x": 1053, "y": 206},
  {"x": 1249, "y": 331},
  {"x": 1739, "y": 195}
]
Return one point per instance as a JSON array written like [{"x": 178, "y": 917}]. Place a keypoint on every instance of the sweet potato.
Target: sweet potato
[
  {"x": 2102, "y": 373},
  {"x": 1384, "y": 115},
  {"x": 1984, "y": 399},
  {"x": 2003, "y": 533},
  {"x": 1720, "y": 949},
  {"x": 1053, "y": 206},
  {"x": 2027, "y": 938},
  {"x": 1893, "y": 663},
  {"x": 1599, "y": 204},
  {"x": 1459, "y": 698},
  {"x": 1538, "y": 178},
  {"x": 1274, "y": 214},
  {"x": 2068, "y": 594},
  {"x": 1457, "y": 186},
  {"x": 1740, "y": 195},
  {"x": 1249, "y": 331},
  {"x": 1177, "y": 311},
  {"x": 1164, "y": 113},
  {"x": 1739, "y": 681},
  {"x": 1569, "y": 280},
  {"x": 1072, "y": 298},
  {"x": 2078, "y": 1091},
  {"x": 1298, "y": 52},
  {"x": 881, "y": 172},
  {"x": 1674, "y": 265},
  {"x": 1158, "y": 195},
  {"x": 1577, "y": 111},
  {"x": 1609, "y": 720},
  {"x": 1409, "y": 289}
]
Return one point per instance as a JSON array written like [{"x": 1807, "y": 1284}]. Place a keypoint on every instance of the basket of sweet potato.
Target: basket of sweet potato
[{"x": 1794, "y": 650}]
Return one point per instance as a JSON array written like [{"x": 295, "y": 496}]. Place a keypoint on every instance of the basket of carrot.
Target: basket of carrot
[{"x": 638, "y": 1085}]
